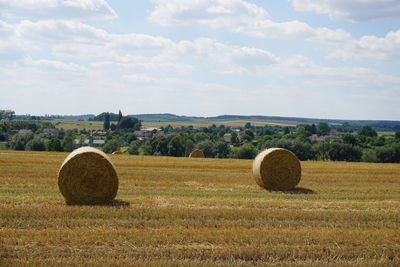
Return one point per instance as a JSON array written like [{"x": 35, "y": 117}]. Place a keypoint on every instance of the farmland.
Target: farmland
[
  {"x": 180, "y": 211},
  {"x": 98, "y": 125}
]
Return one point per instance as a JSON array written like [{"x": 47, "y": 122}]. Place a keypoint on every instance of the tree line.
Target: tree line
[{"x": 307, "y": 141}]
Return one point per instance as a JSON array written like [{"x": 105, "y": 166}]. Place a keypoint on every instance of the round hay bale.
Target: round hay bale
[
  {"x": 197, "y": 153},
  {"x": 87, "y": 176},
  {"x": 277, "y": 169}
]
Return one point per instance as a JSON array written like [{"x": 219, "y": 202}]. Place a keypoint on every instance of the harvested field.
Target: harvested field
[{"x": 181, "y": 211}]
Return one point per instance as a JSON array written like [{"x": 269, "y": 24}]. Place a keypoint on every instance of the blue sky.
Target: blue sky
[{"x": 303, "y": 58}]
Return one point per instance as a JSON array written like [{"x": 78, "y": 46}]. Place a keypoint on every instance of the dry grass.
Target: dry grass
[{"x": 181, "y": 211}]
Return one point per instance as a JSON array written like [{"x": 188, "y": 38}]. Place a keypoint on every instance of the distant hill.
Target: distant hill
[{"x": 167, "y": 117}]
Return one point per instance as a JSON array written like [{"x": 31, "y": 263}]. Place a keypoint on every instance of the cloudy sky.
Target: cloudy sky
[{"x": 304, "y": 58}]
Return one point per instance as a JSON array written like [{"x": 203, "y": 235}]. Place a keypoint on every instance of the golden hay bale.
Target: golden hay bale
[
  {"x": 197, "y": 153},
  {"x": 87, "y": 176},
  {"x": 116, "y": 153},
  {"x": 277, "y": 169}
]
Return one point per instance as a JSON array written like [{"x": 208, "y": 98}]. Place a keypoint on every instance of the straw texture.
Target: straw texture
[
  {"x": 197, "y": 153},
  {"x": 87, "y": 176},
  {"x": 277, "y": 169}
]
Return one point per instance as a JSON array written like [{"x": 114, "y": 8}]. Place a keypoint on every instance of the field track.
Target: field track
[{"x": 179, "y": 211}]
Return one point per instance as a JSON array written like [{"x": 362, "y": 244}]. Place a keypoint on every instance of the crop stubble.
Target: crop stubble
[{"x": 201, "y": 212}]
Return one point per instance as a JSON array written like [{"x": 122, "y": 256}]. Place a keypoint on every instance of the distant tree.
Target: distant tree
[
  {"x": 159, "y": 144},
  {"x": 338, "y": 151},
  {"x": 113, "y": 127},
  {"x": 349, "y": 139},
  {"x": 303, "y": 150},
  {"x": 234, "y": 138},
  {"x": 68, "y": 142},
  {"x": 313, "y": 129},
  {"x": 112, "y": 146},
  {"x": 221, "y": 149},
  {"x": 106, "y": 124},
  {"x": 3, "y": 136},
  {"x": 54, "y": 144},
  {"x": 198, "y": 137},
  {"x": 189, "y": 146},
  {"x": 207, "y": 147},
  {"x": 248, "y": 136},
  {"x": 119, "y": 116},
  {"x": 134, "y": 148},
  {"x": 247, "y": 151},
  {"x": 286, "y": 130},
  {"x": 36, "y": 144},
  {"x": 323, "y": 128},
  {"x": 6, "y": 114},
  {"x": 19, "y": 141},
  {"x": 388, "y": 154},
  {"x": 247, "y": 125},
  {"x": 128, "y": 123},
  {"x": 368, "y": 131},
  {"x": 176, "y": 147},
  {"x": 369, "y": 155},
  {"x": 397, "y": 135}
]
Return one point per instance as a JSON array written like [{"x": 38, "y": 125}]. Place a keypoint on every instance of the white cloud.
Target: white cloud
[
  {"x": 385, "y": 48},
  {"x": 57, "y": 9},
  {"x": 46, "y": 64},
  {"x": 215, "y": 13},
  {"x": 254, "y": 21},
  {"x": 238, "y": 16},
  {"x": 353, "y": 10}
]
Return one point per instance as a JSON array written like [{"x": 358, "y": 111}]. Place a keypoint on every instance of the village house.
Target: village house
[
  {"x": 146, "y": 133},
  {"x": 49, "y": 133}
]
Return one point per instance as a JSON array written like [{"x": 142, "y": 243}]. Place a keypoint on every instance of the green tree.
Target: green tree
[
  {"x": 247, "y": 151},
  {"x": 54, "y": 144},
  {"x": 36, "y": 144},
  {"x": 19, "y": 141},
  {"x": 397, "y": 136},
  {"x": 176, "y": 147},
  {"x": 3, "y": 136},
  {"x": 207, "y": 147},
  {"x": 221, "y": 150},
  {"x": 248, "y": 136},
  {"x": 323, "y": 129},
  {"x": 247, "y": 125},
  {"x": 68, "y": 142},
  {"x": 112, "y": 146},
  {"x": 189, "y": 146},
  {"x": 368, "y": 132},
  {"x": 349, "y": 139},
  {"x": 106, "y": 124},
  {"x": 234, "y": 138},
  {"x": 119, "y": 116},
  {"x": 199, "y": 137},
  {"x": 338, "y": 151},
  {"x": 6, "y": 114},
  {"x": 134, "y": 148},
  {"x": 128, "y": 123}
]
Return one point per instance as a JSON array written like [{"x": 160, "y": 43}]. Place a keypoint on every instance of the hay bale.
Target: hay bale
[
  {"x": 87, "y": 176},
  {"x": 197, "y": 153},
  {"x": 277, "y": 169}
]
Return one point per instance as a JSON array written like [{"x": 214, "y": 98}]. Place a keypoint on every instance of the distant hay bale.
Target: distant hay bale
[
  {"x": 277, "y": 169},
  {"x": 116, "y": 153},
  {"x": 87, "y": 176},
  {"x": 197, "y": 153}
]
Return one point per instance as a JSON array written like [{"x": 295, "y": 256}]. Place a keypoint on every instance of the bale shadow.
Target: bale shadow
[
  {"x": 295, "y": 191},
  {"x": 113, "y": 203}
]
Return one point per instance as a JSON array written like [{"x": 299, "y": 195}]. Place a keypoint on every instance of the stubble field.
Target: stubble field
[{"x": 179, "y": 211}]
